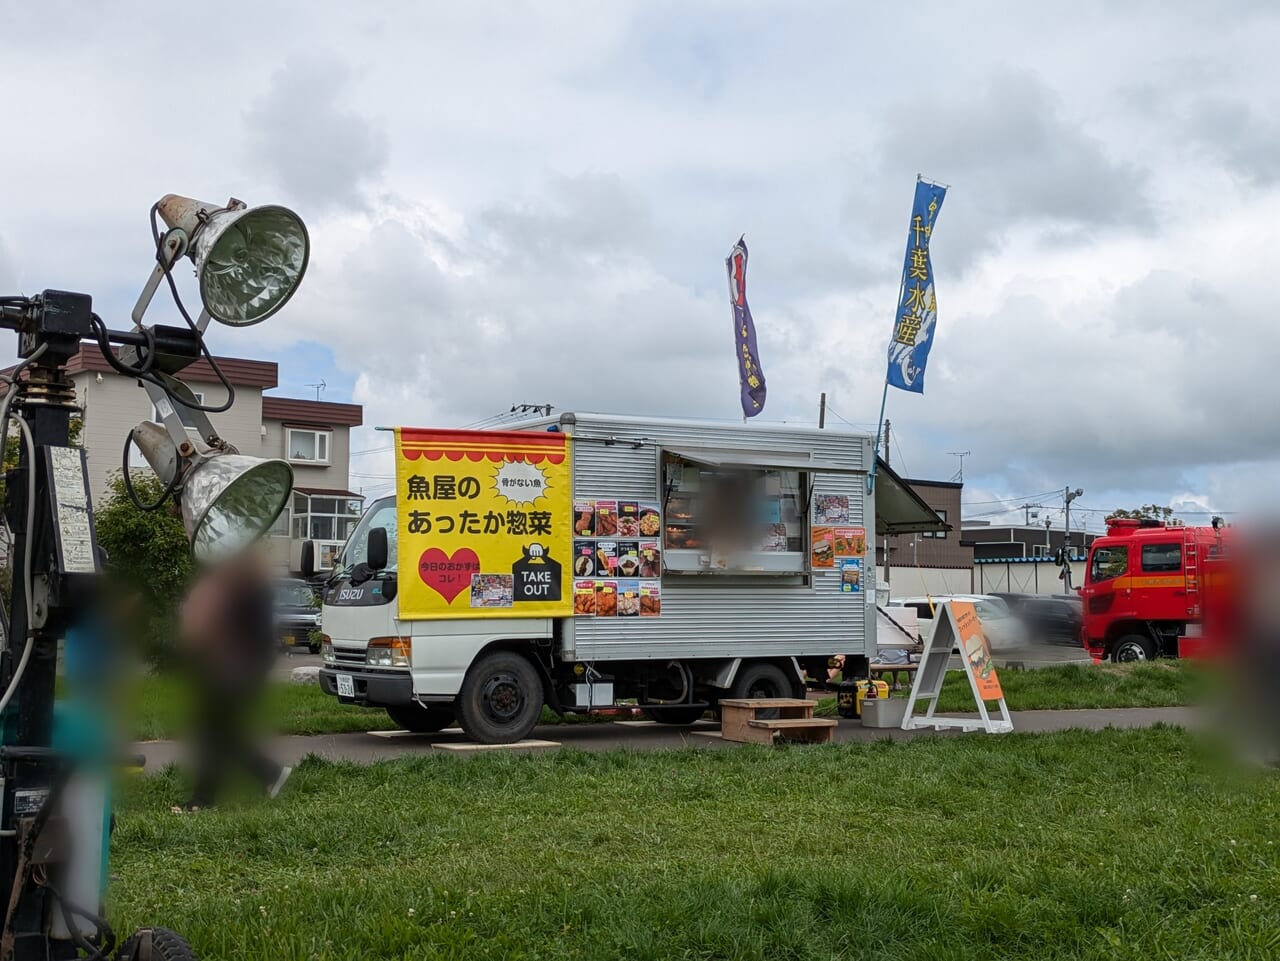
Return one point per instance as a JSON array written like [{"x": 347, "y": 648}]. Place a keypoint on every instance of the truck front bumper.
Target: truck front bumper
[{"x": 371, "y": 688}]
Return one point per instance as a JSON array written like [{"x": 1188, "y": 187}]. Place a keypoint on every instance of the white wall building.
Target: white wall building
[{"x": 313, "y": 436}]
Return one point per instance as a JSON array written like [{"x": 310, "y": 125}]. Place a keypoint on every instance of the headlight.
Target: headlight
[
  {"x": 389, "y": 652},
  {"x": 326, "y": 652}
]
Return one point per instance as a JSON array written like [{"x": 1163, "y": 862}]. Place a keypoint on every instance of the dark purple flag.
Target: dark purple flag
[{"x": 750, "y": 376}]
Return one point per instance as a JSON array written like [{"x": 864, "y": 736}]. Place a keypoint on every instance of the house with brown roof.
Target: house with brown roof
[{"x": 313, "y": 436}]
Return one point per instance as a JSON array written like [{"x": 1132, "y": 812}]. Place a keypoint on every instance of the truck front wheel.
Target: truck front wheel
[
  {"x": 501, "y": 699},
  {"x": 1132, "y": 647}
]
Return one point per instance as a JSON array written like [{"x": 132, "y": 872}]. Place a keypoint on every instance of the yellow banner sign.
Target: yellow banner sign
[{"x": 485, "y": 522}]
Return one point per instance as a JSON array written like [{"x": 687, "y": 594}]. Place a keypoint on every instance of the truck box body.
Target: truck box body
[{"x": 721, "y": 615}]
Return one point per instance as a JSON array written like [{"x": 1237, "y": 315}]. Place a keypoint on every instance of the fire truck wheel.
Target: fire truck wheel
[
  {"x": 422, "y": 720},
  {"x": 501, "y": 698},
  {"x": 1132, "y": 647}
]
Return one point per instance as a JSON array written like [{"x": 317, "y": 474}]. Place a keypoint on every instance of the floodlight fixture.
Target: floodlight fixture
[{"x": 249, "y": 260}]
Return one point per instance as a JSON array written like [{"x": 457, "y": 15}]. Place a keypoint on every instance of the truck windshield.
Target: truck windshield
[
  {"x": 382, "y": 513},
  {"x": 1108, "y": 563}
]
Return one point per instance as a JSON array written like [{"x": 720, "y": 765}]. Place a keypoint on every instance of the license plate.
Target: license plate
[{"x": 346, "y": 686}]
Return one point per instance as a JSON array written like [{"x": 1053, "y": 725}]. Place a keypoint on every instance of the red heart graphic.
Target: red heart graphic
[{"x": 448, "y": 576}]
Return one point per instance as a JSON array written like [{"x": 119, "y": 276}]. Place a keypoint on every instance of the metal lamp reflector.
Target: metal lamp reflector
[
  {"x": 231, "y": 500},
  {"x": 249, "y": 261}
]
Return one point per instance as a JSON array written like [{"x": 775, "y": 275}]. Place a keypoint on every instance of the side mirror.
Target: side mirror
[
  {"x": 308, "y": 559},
  {"x": 376, "y": 555}
]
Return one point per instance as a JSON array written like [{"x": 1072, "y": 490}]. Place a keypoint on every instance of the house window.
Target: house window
[
  {"x": 324, "y": 517},
  {"x": 184, "y": 413},
  {"x": 940, "y": 535},
  {"x": 308, "y": 446},
  {"x": 1039, "y": 551},
  {"x": 281, "y": 527}
]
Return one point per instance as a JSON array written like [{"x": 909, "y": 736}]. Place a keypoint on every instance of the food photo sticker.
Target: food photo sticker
[
  {"x": 823, "y": 547},
  {"x": 628, "y": 598},
  {"x": 606, "y": 558},
  {"x": 831, "y": 509},
  {"x": 650, "y": 520},
  {"x": 492, "y": 590},
  {"x": 650, "y": 600},
  {"x": 584, "y": 598},
  {"x": 629, "y": 558},
  {"x": 650, "y": 559},
  {"x": 584, "y": 519},
  {"x": 606, "y": 518},
  {"x": 584, "y": 558},
  {"x": 628, "y": 519},
  {"x": 606, "y": 599}
]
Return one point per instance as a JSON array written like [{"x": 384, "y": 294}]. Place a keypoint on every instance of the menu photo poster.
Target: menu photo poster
[
  {"x": 851, "y": 575},
  {"x": 831, "y": 509},
  {"x": 823, "y": 547},
  {"x": 850, "y": 541}
]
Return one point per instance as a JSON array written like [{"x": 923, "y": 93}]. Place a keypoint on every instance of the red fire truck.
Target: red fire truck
[{"x": 1148, "y": 586}]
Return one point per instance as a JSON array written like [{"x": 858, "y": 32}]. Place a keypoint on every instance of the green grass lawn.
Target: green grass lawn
[
  {"x": 1077, "y": 686},
  {"x": 1112, "y": 845},
  {"x": 158, "y": 705}
]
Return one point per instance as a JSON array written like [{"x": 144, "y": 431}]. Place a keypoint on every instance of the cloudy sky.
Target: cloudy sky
[{"x": 515, "y": 202}]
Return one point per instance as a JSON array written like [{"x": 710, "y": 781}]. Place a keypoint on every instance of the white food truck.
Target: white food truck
[{"x": 586, "y": 560}]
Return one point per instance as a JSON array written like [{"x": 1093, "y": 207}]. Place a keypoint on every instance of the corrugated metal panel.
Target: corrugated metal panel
[{"x": 706, "y": 615}]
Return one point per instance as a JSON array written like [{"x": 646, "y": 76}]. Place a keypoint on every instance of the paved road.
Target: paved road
[{"x": 645, "y": 736}]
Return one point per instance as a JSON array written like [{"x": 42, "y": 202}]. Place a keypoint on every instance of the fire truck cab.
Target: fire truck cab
[{"x": 1145, "y": 589}]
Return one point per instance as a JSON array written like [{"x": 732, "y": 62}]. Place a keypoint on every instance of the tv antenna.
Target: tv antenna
[
  {"x": 319, "y": 387},
  {"x": 962, "y": 454}
]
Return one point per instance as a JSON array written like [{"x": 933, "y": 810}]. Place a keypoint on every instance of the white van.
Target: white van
[{"x": 1004, "y": 632}]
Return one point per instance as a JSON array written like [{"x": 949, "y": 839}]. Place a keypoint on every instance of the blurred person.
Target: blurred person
[
  {"x": 228, "y": 638},
  {"x": 1254, "y": 596}
]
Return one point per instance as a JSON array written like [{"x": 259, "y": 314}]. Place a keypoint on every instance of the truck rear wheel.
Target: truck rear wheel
[
  {"x": 757, "y": 681},
  {"x": 676, "y": 716},
  {"x": 501, "y": 698},
  {"x": 422, "y": 720},
  {"x": 1131, "y": 648}
]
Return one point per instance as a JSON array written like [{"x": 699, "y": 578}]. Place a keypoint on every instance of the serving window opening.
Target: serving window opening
[{"x": 733, "y": 519}]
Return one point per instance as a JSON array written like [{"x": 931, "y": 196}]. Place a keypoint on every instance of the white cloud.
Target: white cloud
[{"x": 532, "y": 203}]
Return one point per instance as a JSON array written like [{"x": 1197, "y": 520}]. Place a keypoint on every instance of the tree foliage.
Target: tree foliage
[
  {"x": 148, "y": 555},
  {"x": 1147, "y": 512}
]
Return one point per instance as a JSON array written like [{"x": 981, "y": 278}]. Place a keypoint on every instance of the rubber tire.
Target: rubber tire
[
  {"x": 166, "y": 945},
  {"x": 422, "y": 720},
  {"x": 763, "y": 680},
  {"x": 1129, "y": 642},
  {"x": 507, "y": 674},
  {"x": 676, "y": 717}
]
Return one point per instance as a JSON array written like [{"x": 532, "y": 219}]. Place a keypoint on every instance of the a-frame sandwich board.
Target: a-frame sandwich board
[{"x": 957, "y": 626}]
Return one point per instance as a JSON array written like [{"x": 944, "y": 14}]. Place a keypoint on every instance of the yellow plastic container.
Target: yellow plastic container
[{"x": 882, "y": 690}]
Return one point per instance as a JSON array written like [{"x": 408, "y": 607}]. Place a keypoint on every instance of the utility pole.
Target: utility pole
[
  {"x": 886, "y": 442},
  {"x": 822, "y": 410},
  {"x": 1048, "y": 523},
  {"x": 1068, "y": 495},
  {"x": 1026, "y": 511}
]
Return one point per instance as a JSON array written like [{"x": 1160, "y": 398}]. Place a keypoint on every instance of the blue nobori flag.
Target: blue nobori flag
[
  {"x": 750, "y": 376},
  {"x": 918, "y": 308}
]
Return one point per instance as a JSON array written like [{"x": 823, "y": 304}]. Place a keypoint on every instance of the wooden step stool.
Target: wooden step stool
[{"x": 795, "y": 721}]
